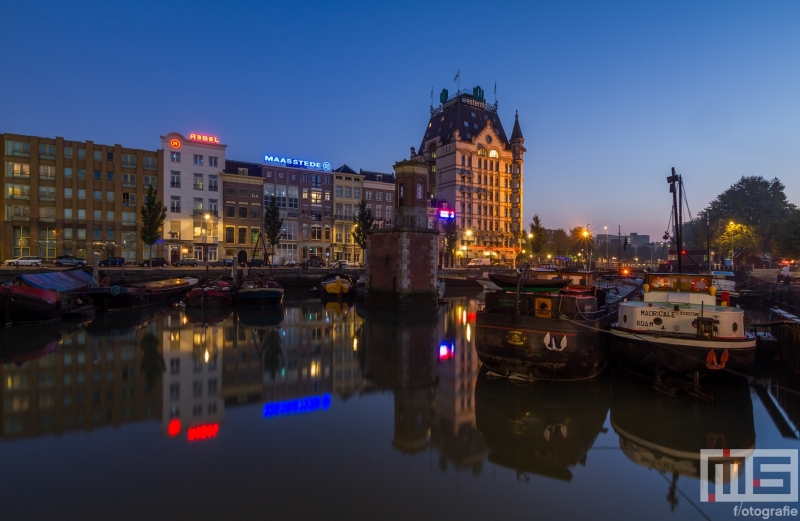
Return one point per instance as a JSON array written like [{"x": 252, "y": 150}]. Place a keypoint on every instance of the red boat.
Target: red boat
[
  {"x": 214, "y": 293},
  {"x": 44, "y": 297}
]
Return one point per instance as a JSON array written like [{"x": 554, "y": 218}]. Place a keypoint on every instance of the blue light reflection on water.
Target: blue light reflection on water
[{"x": 411, "y": 436}]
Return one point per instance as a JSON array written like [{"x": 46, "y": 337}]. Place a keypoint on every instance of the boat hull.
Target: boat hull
[
  {"x": 199, "y": 298},
  {"x": 530, "y": 285},
  {"x": 260, "y": 297},
  {"x": 533, "y": 348},
  {"x": 30, "y": 305},
  {"x": 681, "y": 354},
  {"x": 122, "y": 298}
]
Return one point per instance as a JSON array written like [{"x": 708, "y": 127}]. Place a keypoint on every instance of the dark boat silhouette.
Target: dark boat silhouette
[{"x": 544, "y": 429}]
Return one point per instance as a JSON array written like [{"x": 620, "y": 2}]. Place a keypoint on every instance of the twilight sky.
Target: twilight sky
[{"x": 610, "y": 94}]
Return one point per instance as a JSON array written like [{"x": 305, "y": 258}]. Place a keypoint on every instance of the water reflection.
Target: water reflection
[
  {"x": 79, "y": 380},
  {"x": 667, "y": 434},
  {"x": 403, "y": 390},
  {"x": 544, "y": 429}
]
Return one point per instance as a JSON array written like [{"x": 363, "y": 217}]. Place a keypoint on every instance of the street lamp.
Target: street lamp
[
  {"x": 206, "y": 217},
  {"x": 732, "y": 252}
]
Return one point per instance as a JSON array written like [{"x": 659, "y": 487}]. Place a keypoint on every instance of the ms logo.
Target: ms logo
[{"x": 760, "y": 475}]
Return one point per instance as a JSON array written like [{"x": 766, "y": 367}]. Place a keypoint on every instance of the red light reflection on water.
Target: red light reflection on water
[
  {"x": 203, "y": 432},
  {"x": 174, "y": 427}
]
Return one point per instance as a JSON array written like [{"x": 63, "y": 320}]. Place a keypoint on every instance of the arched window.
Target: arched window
[
  {"x": 482, "y": 152},
  {"x": 493, "y": 153}
]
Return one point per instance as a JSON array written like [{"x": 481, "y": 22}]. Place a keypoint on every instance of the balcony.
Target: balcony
[
  {"x": 129, "y": 204},
  {"x": 210, "y": 240},
  {"x": 20, "y": 218},
  {"x": 46, "y": 198},
  {"x": 46, "y": 156},
  {"x": 175, "y": 184},
  {"x": 20, "y": 153},
  {"x": 19, "y": 197}
]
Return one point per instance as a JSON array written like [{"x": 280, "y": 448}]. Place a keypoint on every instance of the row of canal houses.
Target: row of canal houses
[{"x": 67, "y": 197}]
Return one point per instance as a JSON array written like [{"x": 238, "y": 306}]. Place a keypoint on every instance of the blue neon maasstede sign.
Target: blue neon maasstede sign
[{"x": 298, "y": 163}]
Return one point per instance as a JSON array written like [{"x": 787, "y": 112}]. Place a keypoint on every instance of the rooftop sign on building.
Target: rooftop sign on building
[{"x": 298, "y": 163}]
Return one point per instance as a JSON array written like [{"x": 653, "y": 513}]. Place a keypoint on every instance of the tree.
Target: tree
[
  {"x": 755, "y": 202},
  {"x": 558, "y": 243},
  {"x": 450, "y": 238},
  {"x": 153, "y": 215},
  {"x": 362, "y": 223},
  {"x": 536, "y": 243},
  {"x": 273, "y": 224},
  {"x": 272, "y": 351},
  {"x": 787, "y": 243},
  {"x": 735, "y": 237},
  {"x": 153, "y": 364}
]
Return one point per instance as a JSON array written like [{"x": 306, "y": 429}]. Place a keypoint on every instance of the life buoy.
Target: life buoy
[{"x": 699, "y": 284}]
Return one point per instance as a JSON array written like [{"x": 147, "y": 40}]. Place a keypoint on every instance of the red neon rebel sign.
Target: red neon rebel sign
[{"x": 204, "y": 138}]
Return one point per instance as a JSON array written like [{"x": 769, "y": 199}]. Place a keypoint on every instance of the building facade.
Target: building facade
[
  {"x": 191, "y": 191},
  {"x": 303, "y": 190},
  {"x": 478, "y": 171},
  {"x": 244, "y": 213},
  {"x": 348, "y": 192},
  {"x": 379, "y": 191},
  {"x": 67, "y": 197}
]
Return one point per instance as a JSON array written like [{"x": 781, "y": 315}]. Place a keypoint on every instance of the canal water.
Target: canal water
[{"x": 327, "y": 412}]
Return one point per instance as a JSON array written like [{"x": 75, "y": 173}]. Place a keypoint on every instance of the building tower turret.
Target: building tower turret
[{"x": 516, "y": 144}]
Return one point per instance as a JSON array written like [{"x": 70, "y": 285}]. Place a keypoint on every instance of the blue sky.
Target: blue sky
[{"x": 611, "y": 95}]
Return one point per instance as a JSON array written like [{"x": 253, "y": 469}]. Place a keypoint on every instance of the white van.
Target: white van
[{"x": 475, "y": 263}]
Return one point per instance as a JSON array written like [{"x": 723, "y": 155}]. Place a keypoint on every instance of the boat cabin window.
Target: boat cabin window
[{"x": 669, "y": 282}]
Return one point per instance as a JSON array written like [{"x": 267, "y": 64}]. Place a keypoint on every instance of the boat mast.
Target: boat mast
[{"x": 675, "y": 178}]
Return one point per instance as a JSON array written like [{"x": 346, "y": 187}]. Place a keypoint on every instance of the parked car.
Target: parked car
[
  {"x": 69, "y": 260},
  {"x": 186, "y": 261},
  {"x": 222, "y": 263},
  {"x": 112, "y": 261},
  {"x": 340, "y": 265},
  {"x": 25, "y": 261},
  {"x": 291, "y": 263},
  {"x": 253, "y": 263},
  {"x": 156, "y": 261},
  {"x": 315, "y": 262}
]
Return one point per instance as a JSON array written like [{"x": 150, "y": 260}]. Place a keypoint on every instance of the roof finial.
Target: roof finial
[{"x": 516, "y": 115}]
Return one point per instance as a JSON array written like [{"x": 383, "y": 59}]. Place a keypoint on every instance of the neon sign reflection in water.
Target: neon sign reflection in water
[
  {"x": 297, "y": 406},
  {"x": 447, "y": 349}
]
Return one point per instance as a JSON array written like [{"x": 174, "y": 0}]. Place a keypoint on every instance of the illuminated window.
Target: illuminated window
[
  {"x": 198, "y": 181},
  {"x": 175, "y": 157},
  {"x": 316, "y": 197}
]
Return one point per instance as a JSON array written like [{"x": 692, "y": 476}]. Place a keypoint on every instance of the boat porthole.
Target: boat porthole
[
  {"x": 657, "y": 321},
  {"x": 543, "y": 305},
  {"x": 624, "y": 318},
  {"x": 735, "y": 327}
]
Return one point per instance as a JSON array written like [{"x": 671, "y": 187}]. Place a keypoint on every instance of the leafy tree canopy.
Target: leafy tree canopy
[
  {"x": 755, "y": 202},
  {"x": 273, "y": 223},
  {"x": 362, "y": 223}
]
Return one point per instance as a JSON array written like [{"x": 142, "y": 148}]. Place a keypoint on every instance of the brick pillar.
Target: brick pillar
[{"x": 401, "y": 269}]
